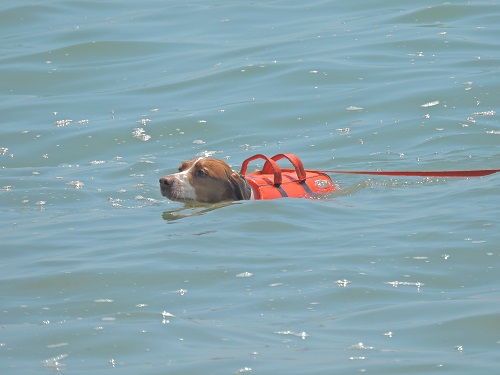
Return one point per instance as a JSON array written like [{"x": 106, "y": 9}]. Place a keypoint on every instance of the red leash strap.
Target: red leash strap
[
  {"x": 276, "y": 170},
  {"x": 271, "y": 167},
  {"x": 296, "y": 162},
  {"x": 470, "y": 173}
]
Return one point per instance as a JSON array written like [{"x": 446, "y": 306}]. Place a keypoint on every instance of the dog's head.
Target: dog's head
[{"x": 205, "y": 180}]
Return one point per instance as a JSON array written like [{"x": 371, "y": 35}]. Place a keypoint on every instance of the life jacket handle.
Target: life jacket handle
[
  {"x": 296, "y": 162},
  {"x": 275, "y": 168}
]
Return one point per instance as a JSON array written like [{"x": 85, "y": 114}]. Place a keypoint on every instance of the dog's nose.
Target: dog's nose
[{"x": 166, "y": 181}]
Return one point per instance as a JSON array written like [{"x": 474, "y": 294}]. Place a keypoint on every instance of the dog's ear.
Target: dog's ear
[{"x": 241, "y": 188}]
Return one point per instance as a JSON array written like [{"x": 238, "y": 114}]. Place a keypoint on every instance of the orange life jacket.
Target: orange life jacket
[{"x": 273, "y": 182}]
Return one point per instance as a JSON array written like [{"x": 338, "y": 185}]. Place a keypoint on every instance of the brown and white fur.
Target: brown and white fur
[{"x": 205, "y": 180}]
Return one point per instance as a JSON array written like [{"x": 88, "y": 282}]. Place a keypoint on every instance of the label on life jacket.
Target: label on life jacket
[{"x": 273, "y": 182}]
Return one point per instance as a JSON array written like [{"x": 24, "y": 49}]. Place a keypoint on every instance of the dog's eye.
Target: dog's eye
[
  {"x": 183, "y": 167},
  {"x": 201, "y": 173}
]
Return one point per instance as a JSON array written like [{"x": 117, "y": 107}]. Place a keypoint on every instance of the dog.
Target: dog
[
  {"x": 208, "y": 180},
  {"x": 205, "y": 180}
]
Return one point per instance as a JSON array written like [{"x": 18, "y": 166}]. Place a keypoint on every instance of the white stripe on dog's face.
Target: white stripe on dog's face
[{"x": 182, "y": 187}]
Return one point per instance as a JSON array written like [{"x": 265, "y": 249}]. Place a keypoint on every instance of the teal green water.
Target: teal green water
[{"x": 99, "y": 273}]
